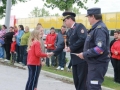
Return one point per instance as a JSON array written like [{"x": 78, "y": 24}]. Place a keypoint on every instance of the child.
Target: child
[
  {"x": 33, "y": 59},
  {"x": 13, "y": 50}
]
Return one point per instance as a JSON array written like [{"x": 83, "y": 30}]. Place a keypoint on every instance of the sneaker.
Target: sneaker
[
  {"x": 62, "y": 69},
  {"x": 1, "y": 58},
  {"x": 58, "y": 68},
  {"x": 6, "y": 60},
  {"x": 20, "y": 63}
]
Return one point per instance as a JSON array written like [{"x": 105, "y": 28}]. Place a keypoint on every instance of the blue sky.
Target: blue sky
[{"x": 21, "y": 10}]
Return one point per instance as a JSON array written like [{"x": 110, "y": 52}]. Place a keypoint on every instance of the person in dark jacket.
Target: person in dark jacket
[
  {"x": 113, "y": 62},
  {"x": 96, "y": 50},
  {"x": 59, "y": 40},
  {"x": 76, "y": 41},
  {"x": 8, "y": 40}
]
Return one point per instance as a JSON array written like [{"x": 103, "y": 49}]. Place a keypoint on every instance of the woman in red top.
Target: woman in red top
[
  {"x": 33, "y": 59},
  {"x": 115, "y": 49}
]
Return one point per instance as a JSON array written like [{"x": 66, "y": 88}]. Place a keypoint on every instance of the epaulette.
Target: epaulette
[{"x": 99, "y": 26}]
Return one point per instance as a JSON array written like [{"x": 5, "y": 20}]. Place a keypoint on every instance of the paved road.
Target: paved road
[{"x": 15, "y": 79}]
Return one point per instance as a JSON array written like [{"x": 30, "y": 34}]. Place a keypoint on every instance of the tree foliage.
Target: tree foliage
[
  {"x": 75, "y": 10},
  {"x": 56, "y": 14},
  {"x": 66, "y": 4},
  {"x": 36, "y": 12},
  {"x": 3, "y": 6}
]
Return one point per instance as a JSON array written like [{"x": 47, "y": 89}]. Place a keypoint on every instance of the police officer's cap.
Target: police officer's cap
[
  {"x": 67, "y": 14},
  {"x": 93, "y": 11}
]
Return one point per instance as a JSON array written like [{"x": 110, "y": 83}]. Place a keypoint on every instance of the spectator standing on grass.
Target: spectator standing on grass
[
  {"x": 59, "y": 41},
  {"x": 8, "y": 40},
  {"x": 116, "y": 33},
  {"x": 115, "y": 49},
  {"x": 50, "y": 42},
  {"x": 18, "y": 40},
  {"x": 23, "y": 44},
  {"x": 2, "y": 33},
  {"x": 13, "y": 50}
]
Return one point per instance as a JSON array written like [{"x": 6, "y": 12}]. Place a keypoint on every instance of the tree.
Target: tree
[
  {"x": 66, "y": 4},
  {"x": 75, "y": 10},
  {"x": 56, "y": 14},
  {"x": 36, "y": 12},
  {"x": 44, "y": 12},
  {"x": 3, "y": 7}
]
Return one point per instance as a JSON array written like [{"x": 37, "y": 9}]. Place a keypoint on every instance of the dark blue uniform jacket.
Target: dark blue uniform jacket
[
  {"x": 76, "y": 39},
  {"x": 96, "y": 48}
]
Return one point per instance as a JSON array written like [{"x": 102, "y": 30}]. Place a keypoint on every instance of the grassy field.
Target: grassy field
[{"x": 108, "y": 82}]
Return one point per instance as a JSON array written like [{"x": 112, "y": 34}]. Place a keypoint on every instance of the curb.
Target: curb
[{"x": 63, "y": 78}]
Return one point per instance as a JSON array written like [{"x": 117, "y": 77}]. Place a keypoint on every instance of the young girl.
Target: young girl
[
  {"x": 13, "y": 50},
  {"x": 33, "y": 59}
]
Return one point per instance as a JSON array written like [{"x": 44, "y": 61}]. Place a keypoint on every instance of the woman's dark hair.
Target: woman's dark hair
[
  {"x": 97, "y": 16},
  {"x": 4, "y": 26},
  {"x": 21, "y": 26}
]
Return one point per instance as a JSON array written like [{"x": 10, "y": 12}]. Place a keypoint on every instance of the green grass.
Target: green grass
[
  {"x": 108, "y": 82},
  {"x": 53, "y": 70}
]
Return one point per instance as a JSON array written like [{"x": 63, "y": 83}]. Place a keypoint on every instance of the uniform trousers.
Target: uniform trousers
[
  {"x": 96, "y": 73},
  {"x": 80, "y": 75}
]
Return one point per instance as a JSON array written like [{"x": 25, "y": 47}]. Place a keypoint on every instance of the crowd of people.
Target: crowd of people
[{"x": 14, "y": 43}]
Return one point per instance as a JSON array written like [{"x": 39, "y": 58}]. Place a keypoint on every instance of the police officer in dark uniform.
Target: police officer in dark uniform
[
  {"x": 76, "y": 43},
  {"x": 76, "y": 38},
  {"x": 96, "y": 50}
]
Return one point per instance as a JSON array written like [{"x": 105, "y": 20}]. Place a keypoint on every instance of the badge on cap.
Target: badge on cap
[
  {"x": 82, "y": 31},
  {"x": 99, "y": 44}
]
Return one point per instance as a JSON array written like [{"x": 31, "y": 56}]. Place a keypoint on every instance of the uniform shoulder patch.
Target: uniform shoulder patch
[
  {"x": 99, "y": 26},
  {"x": 82, "y": 31}
]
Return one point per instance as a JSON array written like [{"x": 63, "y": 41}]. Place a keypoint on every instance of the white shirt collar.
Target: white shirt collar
[{"x": 72, "y": 25}]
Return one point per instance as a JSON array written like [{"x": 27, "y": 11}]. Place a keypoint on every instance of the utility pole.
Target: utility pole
[
  {"x": 0, "y": 2},
  {"x": 8, "y": 13}
]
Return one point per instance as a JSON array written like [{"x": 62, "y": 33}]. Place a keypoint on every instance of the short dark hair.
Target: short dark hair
[
  {"x": 52, "y": 28},
  {"x": 97, "y": 16},
  {"x": 63, "y": 26},
  {"x": 73, "y": 18},
  {"x": 117, "y": 31}
]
